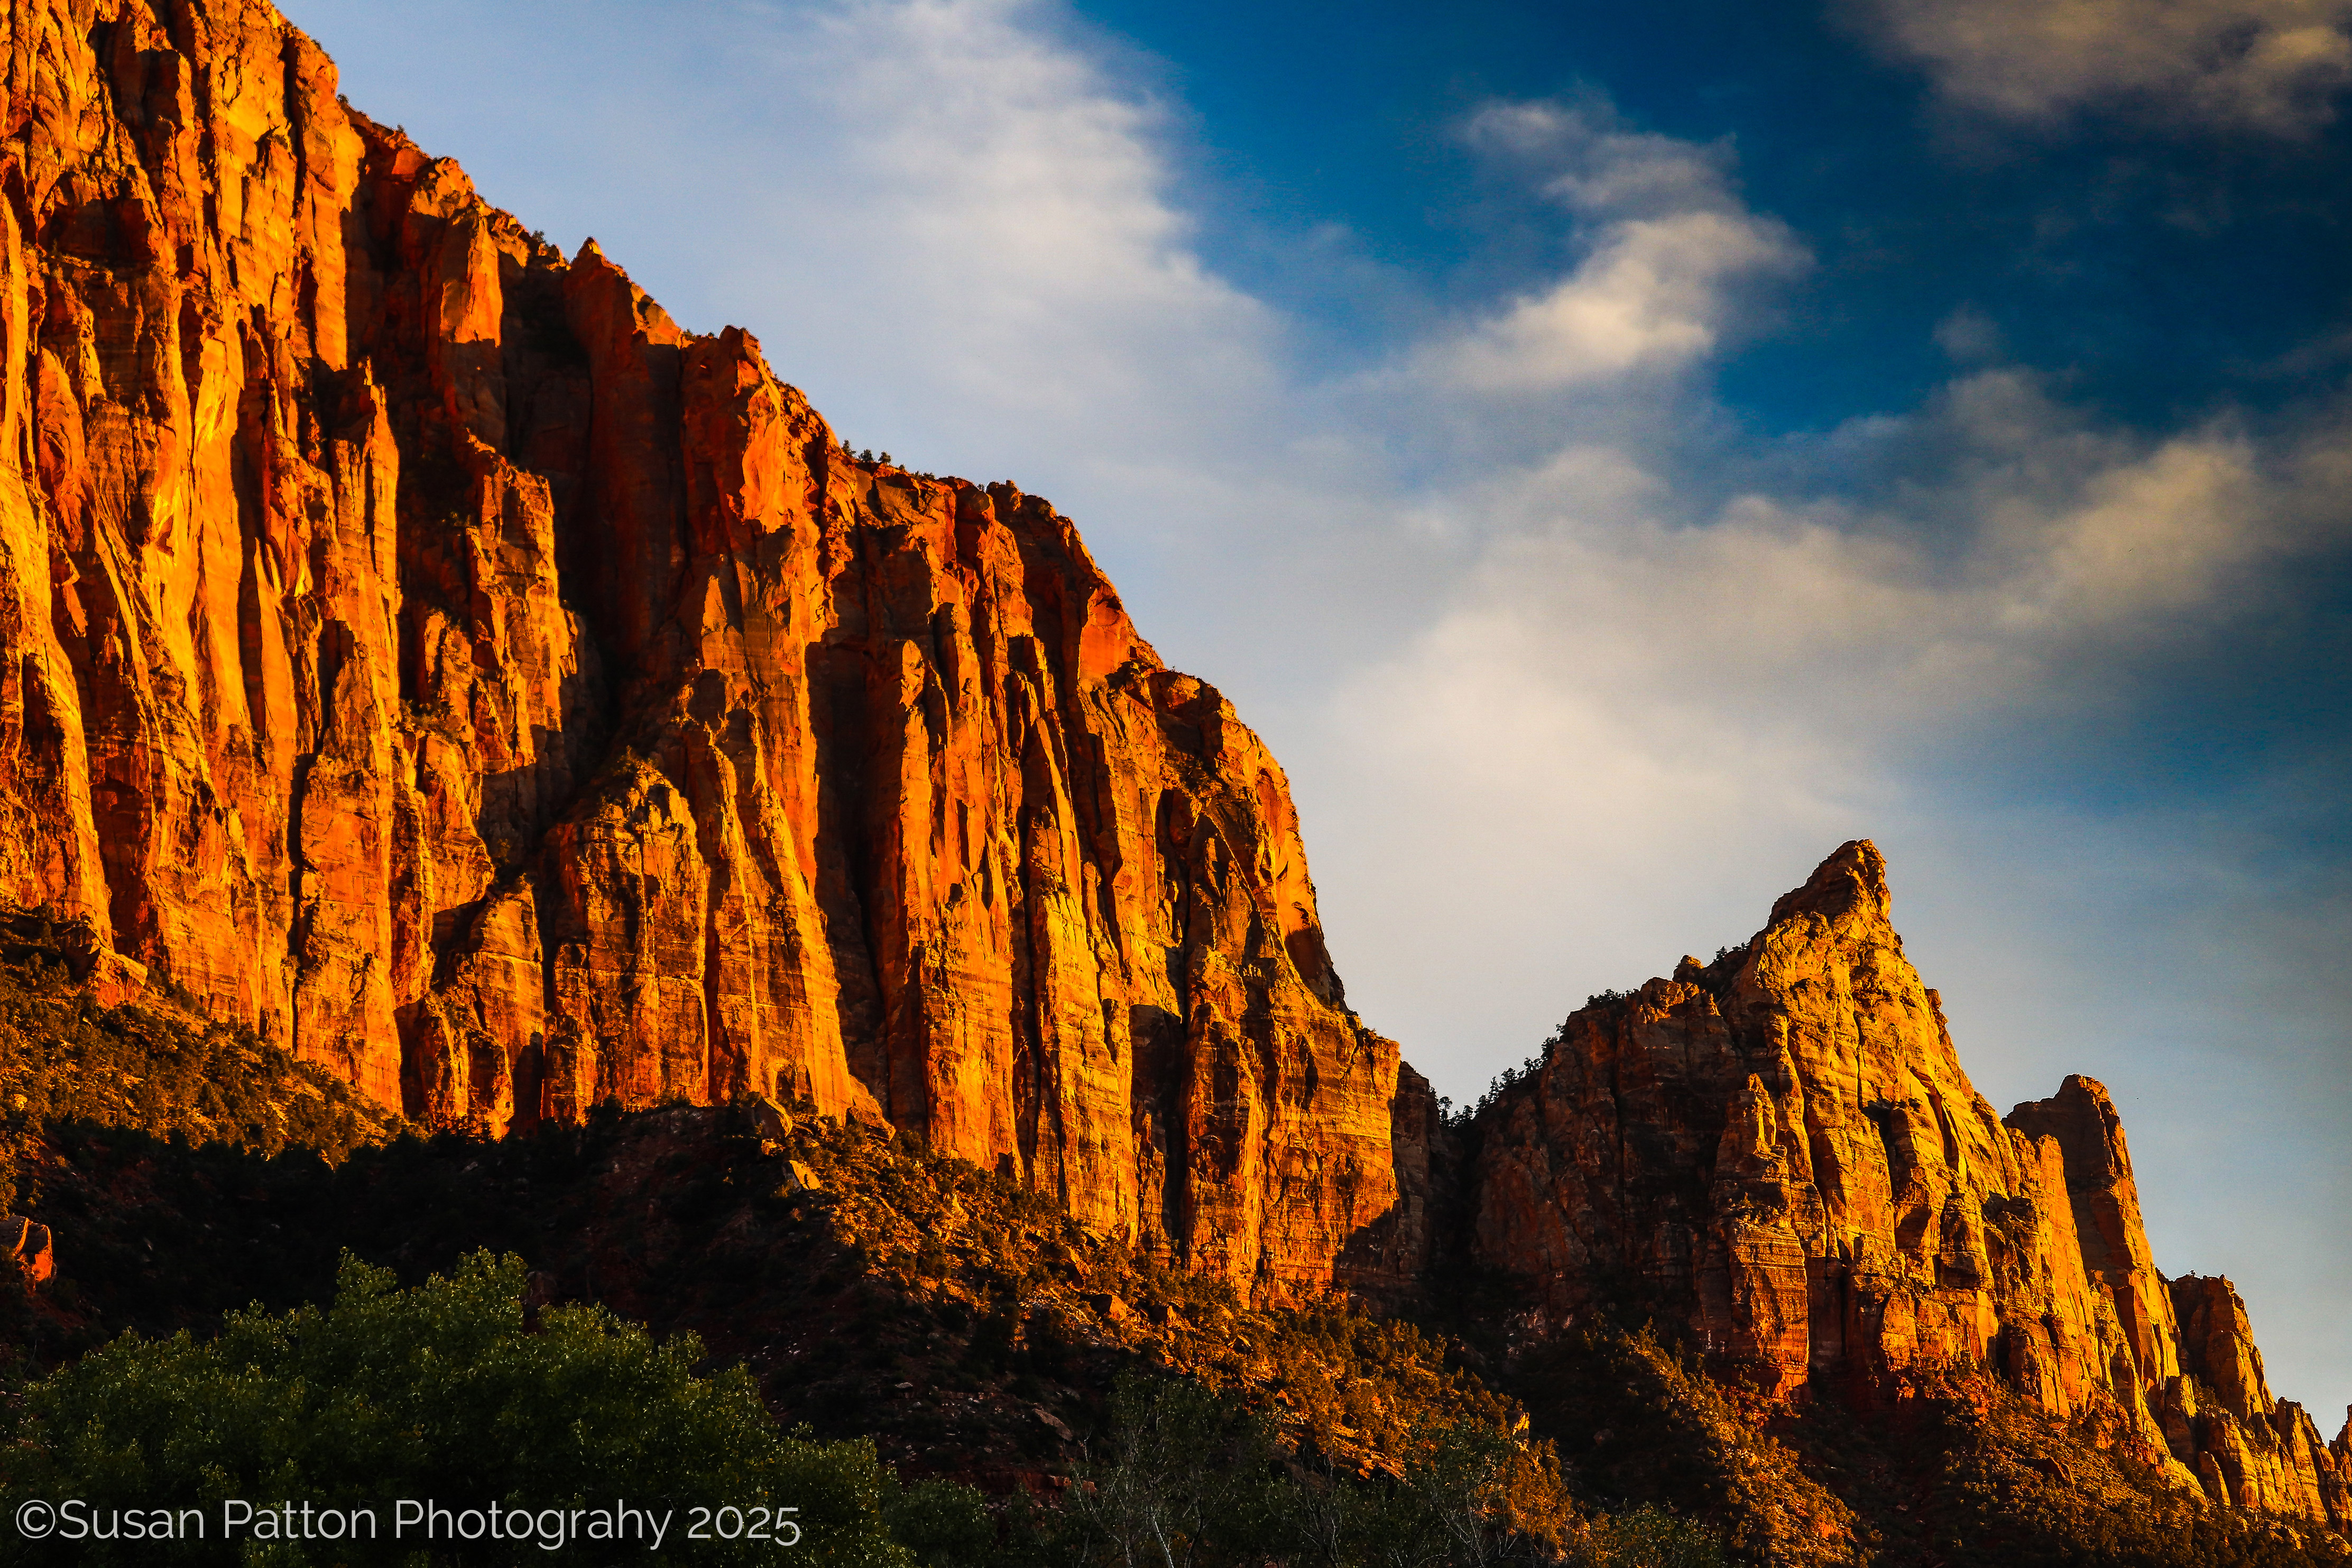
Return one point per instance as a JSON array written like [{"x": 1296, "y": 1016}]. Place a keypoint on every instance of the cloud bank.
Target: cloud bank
[{"x": 2273, "y": 66}]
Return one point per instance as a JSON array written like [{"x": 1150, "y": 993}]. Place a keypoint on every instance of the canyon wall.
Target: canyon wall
[
  {"x": 1779, "y": 1150},
  {"x": 415, "y": 644}
]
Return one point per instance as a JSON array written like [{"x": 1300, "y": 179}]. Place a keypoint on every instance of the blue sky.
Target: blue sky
[{"x": 1615, "y": 454}]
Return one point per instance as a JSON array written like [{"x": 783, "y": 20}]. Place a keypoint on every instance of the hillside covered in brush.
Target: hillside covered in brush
[{"x": 977, "y": 1337}]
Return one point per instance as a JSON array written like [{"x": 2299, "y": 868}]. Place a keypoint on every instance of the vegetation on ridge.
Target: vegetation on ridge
[{"x": 159, "y": 1065}]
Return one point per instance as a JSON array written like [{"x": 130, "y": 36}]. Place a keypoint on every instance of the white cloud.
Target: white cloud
[
  {"x": 1652, "y": 296},
  {"x": 1969, "y": 335},
  {"x": 1582, "y": 154},
  {"x": 998, "y": 216},
  {"x": 2270, "y": 66},
  {"x": 2036, "y": 557},
  {"x": 1666, "y": 242}
]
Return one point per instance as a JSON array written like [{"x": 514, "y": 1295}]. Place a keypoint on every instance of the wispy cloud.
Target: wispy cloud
[
  {"x": 1664, "y": 244},
  {"x": 2269, "y": 65}
]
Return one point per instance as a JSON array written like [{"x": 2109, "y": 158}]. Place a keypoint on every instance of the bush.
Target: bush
[
  {"x": 1187, "y": 1477},
  {"x": 944, "y": 1523},
  {"x": 441, "y": 1392},
  {"x": 1652, "y": 1537}
]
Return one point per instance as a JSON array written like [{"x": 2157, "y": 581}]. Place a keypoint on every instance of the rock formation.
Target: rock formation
[
  {"x": 29, "y": 1246},
  {"x": 415, "y": 644},
  {"x": 2248, "y": 1447},
  {"x": 1780, "y": 1149}
]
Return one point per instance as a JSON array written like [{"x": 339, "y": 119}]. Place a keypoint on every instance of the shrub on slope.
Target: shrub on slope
[
  {"x": 450, "y": 1393},
  {"x": 154, "y": 1065}
]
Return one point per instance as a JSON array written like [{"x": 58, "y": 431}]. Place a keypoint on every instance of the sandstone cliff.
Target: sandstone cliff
[
  {"x": 1780, "y": 1149},
  {"x": 415, "y": 644}
]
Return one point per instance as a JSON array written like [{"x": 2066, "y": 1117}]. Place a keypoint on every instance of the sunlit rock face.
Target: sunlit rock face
[
  {"x": 414, "y": 643},
  {"x": 1780, "y": 1149}
]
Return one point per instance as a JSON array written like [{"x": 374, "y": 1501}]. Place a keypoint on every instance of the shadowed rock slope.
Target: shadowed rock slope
[
  {"x": 417, "y": 648},
  {"x": 976, "y": 1332},
  {"x": 151, "y": 1063}
]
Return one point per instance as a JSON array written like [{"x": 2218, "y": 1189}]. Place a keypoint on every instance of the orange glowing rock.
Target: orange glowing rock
[
  {"x": 1782, "y": 1149},
  {"x": 413, "y": 644}
]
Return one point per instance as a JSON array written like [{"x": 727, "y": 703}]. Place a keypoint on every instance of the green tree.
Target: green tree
[
  {"x": 443, "y": 1392},
  {"x": 1182, "y": 1477},
  {"x": 946, "y": 1524},
  {"x": 1473, "y": 1497}
]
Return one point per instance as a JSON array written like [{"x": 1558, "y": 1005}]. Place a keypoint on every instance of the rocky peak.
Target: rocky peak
[
  {"x": 1781, "y": 1150},
  {"x": 1849, "y": 887},
  {"x": 2217, "y": 1345},
  {"x": 2082, "y": 1119}
]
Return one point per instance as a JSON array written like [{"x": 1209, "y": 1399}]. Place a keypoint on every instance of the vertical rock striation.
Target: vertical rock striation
[
  {"x": 415, "y": 644},
  {"x": 1780, "y": 1149},
  {"x": 2248, "y": 1447}
]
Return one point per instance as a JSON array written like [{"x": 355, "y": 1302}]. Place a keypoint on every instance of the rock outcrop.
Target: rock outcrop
[
  {"x": 415, "y": 644},
  {"x": 29, "y": 1246},
  {"x": 2249, "y": 1448},
  {"x": 1780, "y": 1149}
]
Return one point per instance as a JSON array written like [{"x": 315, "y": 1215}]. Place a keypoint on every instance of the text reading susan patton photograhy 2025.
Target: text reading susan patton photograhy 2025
[{"x": 552, "y": 1529}]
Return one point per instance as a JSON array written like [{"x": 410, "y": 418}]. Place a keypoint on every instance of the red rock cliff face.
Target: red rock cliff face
[
  {"x": 1780, "y": 1147},
  {"x": 415, "y": 644}
]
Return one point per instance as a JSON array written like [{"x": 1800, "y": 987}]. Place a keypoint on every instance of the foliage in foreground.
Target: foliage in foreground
[
  {"x": 1184, "y": 1477},
  {"x": 443, "y": 1392},
  {"x": 453, "y": 1392}
]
